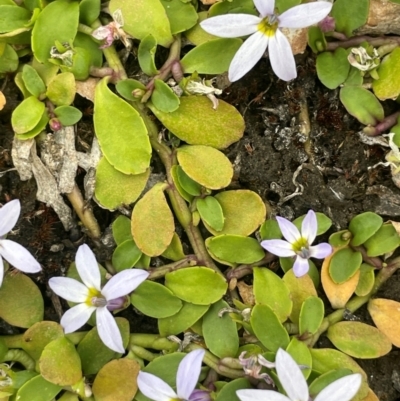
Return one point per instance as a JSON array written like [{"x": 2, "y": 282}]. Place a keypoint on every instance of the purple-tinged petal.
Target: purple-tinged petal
[
  {"x": 124, "y": 283},
  {"x": 300, "y": 267},
  {"x": 231, "y": 25},
  {"x": 108, "y": 330},
  {"x": 278, "y": 247},
  {"x": 102, "y": 32},
  {"x": 305, "y": 14},
  {"x": 265, "y": 7},
  {"x": 155, "y": 388},
  {"x": 320, "y": 251},
  {"x": 291, "y": 377},
  {"x": 309, "y": 227},
  {"x": 9, "y": 215},
  {"x": 288, "y": 229},
  {"x": 1, "y": 270},
  {"x": 265, "y": 362},
  {"x": 87, "y": 267},
  {"x": 18, "y": 256},
  {"x": 69, "y": 289},
  {"x": 247, "y": 56},
  {"x": 200, "y": 395},
  {"x": 188, "y": 373},
  {"x": 343, "y": 389},
  {"x": 76, "y": 317},
  {"x": 281, "y": 58},
  {"x": 260, "y": 395}
]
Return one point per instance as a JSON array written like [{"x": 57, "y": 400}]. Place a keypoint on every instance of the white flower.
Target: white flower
[
  {"x": 14, "y": 253},
  {"x": 186, "y": 379},
  {"x": 296, "y": 388},
  {"x": 90, "y": 297},
  {"x": 298, "y": 244},
  {"x": 265, "y": 32}
]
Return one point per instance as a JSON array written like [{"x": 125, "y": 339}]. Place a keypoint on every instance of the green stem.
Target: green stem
[
  {"x": 14, "y": 341},
  {"x": 143, "y": 353},
  {"x": 152, "y": 341},
  {"x": 158, "y": 272},
  {"x": 20, "y": 356}
]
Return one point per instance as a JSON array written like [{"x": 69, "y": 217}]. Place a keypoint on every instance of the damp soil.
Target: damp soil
[{"x": 293, "y": 164}]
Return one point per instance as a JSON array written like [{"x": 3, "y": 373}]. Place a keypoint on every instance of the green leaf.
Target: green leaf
[
  {"x": 117, "y": 134},
  {"x": 316, "y": 39},
  {"x": 155, "y": 300},
  {"x": 48, "y": 29},
  {"x": 121, "y": 229},
  {"x": 234, "y": 7},
  {"x": 228, "y": 392},
  {"x": 199, "y": 285},
  {"x": 126, "y": 255},
  {"x": 197, "y": 35},
  {"x": 174, "y": 250},
  {"x": 188, "y": 185},
  {"x": 388, "y": 84},
  {"x": 364, "y": 226},
  {"x": 301, "y": 354},
  {"x": 38, "y": 389},
  {"x": 61, "y": 89},
  {"x": 359, "y": 340},
  {"x": 60, "y": 363},
  {"x": 234, "y": 249},
  {"x": 366, "y": 281},
  {"x": 68, "y": 115},
  {"x": 89, "y": 11},
  {"x": 349, "y": 15},
  {"x": 243, "y": 211},
  {"x": 340, "y": 238},
  {"x": 33, "y": 83},
  {"x": 143, "y": 17},
  {"x": 385, "y": 240},
  {"x": 344, "y": 265},
  {"x": 325, "y": 379},
  {"x": 205, "y": 165},
  {"x": 181, "y": 321},
  {"x": 224, "y": 125},
  {"x": 125, "y": 88},
  {"x": 333, "y": 68},
  {"x": 152, "y": 222},
  {"x": 163, "y": 97},
  {"x": 212, "y": 57},
  {"x": 92, "y": 48},
  {"x": 182, "y": 15},
  {"x": 270, "y": 230},
  {"x": 283, "y": 5},
  {"x": 41, "y": 125},
  {"x": 211, "y": 212},
  {"x": 114, "y": 189},
  {"x": 220, "y": 332},
  {"x": 277, "y": 297},
  {"x": 21, "y": 302},
  {"x": 311, "y": 315},
  {"x": 27, "y": 115},
  {"x": 146, "y": 53},
  {"x": 362, "y": 104},
  {"x": 13, "y": 17},
  {"x": 268, "y": 329},
  {"x": 9, "y": 59},
  {"x": 324, "y": 223}
]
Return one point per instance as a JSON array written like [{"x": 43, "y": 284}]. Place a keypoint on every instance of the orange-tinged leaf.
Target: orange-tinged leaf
[
  {"x": 2, "y": 100},
  {"x": 386, "y": 315},
  {"x": 371, "y": 396}
]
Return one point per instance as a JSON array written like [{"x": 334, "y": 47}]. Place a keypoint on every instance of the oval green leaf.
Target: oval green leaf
[
  {"x": 27, "y": 115},
  {"x": 163, "y": 97},
  {"x": 210, "y": 212},
  {"x": 344, "y": 265},
  {"x": 228, "y": 392},
  {"x": 366, "y": 281},
  {"x": 61, "y": 89},
  {"x": 121, "y": 229},
  {"x": 311, "y": 315},
  {"x": 38, "y": 389},
  {"x": 182, "y": 15},
  {"x": 68, "y": 115},
  {"x": 364, "y": 226},
  {"x": 385, "y": 240},
  {"x": 33, "y": 83},
  {"x": 126, "y": 255},
  {"x": 146, "y": 53},
  {"x": 188, "y": 185},
  {"x": 388, "y": 84}
]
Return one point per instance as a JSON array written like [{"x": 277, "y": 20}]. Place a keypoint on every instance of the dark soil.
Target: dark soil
[{"x": 334, "y": 176}]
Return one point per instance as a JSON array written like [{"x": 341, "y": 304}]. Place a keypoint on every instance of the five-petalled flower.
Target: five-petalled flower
[
  {"x": 91, "y": 297},
  {"x": 265, "y": 32},
  {"x": 186, "y": 379},
  {"x": 14, "y": 253},
  {"x": 298, "y": 244},
  {"x": 296, "y": 388}
]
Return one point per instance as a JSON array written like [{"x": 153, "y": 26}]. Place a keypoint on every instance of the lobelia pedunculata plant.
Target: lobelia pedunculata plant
[{"x": 171, "y": 113}]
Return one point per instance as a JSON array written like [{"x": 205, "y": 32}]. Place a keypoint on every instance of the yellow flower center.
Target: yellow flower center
[
  {"x": 268, "y": 25},
  {"x": 301, "y": 247},
  {"x": 95, "y": 298}
]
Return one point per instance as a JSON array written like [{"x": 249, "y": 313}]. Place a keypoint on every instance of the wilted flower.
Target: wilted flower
[
  {"x": 186, "y": 379},
  {"x": 91, "y": 297},
  {"x": 265, "y": 31},
  {"x": 253, "y": 364},
  {"x": 14, "y": 253},
  {"x": 296, "y": 388},
  {"x": 298, "y": 244}
]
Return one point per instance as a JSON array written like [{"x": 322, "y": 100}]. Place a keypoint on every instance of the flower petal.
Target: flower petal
[
  {"x": 343, "y": 389},
  {"x": 265, "y": 7},
  {"x": 289, "y": 230},
  {"x": 76, "y": 317},
  {"x": 309, "y": 227},
  {"x": 291, "y": 377},
  {"x": 188, "y": 373},
  {"x": 231, "y": 25},
  {"x": 87, "y": 267},
  {"x": 260, "y": 395},
  {"x": 278, "y": 247},
  {"x": 247, "y": 56},
  {"x": 69, "y": 289},
  {"x": 1, "y": 270},
  {"x": 305, "y": 14},
  {"x": 108, "y": 330},
  {"x": 18, "y": 256},
  {"x": 9, "y": 214},
  {"x": 281, "y": 57},
  {"x": 301, "y": 266},
  {"x": 320, "y": 251},
  {"x": 124, "y": 283},
  {"x": 155, "y": 388}
]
